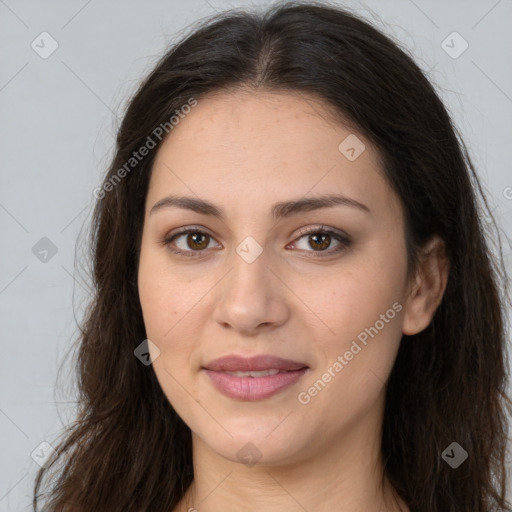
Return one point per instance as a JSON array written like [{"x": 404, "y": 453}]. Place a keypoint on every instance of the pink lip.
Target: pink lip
[
  {"x": 253, "y": 388},
  {"x": 234, "y": 363}
]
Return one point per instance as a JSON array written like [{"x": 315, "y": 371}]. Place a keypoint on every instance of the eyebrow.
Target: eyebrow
[{"x": 279, "y": 210}]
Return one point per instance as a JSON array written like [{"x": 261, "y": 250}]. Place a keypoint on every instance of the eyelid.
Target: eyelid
[{"x": 320, "y": 228}]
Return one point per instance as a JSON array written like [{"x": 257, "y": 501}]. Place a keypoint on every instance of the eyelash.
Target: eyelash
[{"x": 345, "y": 242}]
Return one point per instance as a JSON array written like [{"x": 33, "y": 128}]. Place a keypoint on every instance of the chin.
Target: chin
[{"x": 260, "y": 449}]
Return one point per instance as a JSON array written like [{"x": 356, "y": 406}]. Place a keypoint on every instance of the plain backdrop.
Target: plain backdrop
[{"x": 67, "y": 70}]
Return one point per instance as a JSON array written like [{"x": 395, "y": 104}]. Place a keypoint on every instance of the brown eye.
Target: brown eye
[
  {"x": 319, "y": 239},
  {"x": 195, "y": 242}
]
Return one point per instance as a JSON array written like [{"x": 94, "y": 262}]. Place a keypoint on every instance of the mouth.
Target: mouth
[
  {"x": 257, "y": 374},
  {"x": 256, "y": 378}
]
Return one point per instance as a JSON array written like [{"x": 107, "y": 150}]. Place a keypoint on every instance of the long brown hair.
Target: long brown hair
[{"x": 128, "y": 450}]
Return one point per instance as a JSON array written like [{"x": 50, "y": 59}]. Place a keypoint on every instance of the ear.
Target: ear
[{"x": 427, "y": 287}]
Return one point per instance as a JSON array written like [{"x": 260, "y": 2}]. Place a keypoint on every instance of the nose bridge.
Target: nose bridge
[
  {"x": 250, "y": 275},
  {"x": 249, "y": 296}
]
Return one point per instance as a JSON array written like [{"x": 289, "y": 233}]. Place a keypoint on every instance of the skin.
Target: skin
[{"x": 245, "y": 151}]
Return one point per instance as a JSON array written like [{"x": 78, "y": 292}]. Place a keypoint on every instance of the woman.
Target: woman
[{"x": 296, "y": 307}]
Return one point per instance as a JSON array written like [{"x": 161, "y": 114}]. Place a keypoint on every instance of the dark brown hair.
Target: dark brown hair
[{"x": 128, "y": 450}]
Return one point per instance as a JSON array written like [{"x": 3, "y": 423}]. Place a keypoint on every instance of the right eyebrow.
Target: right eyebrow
[{"x": 279, "y": 210}]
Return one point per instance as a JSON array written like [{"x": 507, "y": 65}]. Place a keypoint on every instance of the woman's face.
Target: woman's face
[{"x": 265, "y": 280}]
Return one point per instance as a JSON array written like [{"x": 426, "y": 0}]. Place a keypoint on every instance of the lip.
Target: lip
[
  {"x": 253, "y": 388},
  {"x": 234, "y": 363}
]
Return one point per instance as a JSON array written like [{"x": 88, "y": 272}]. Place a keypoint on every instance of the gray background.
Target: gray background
[{"x": 58, "y": 120}]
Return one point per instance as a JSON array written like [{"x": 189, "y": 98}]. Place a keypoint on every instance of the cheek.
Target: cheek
[
  {"x": 356, "y": 361},
  {"x": 154, "y": 300},
  {"x": 351, "y": 298},
  {"x": 360, "y": 311},
  {"x": 157, "y": 295},
  {"x": 165, "y": 321},
  {"x": 171, "y": 306},
  {"x": 161, "y": 292},
  {"x": 164, "y": 310}
]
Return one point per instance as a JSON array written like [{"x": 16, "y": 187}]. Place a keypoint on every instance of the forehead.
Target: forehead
[
  {"x": 245, "y": 145},
  {"x": 245, "y": 120}
]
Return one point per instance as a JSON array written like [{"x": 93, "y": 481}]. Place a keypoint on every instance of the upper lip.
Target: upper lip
[{"x": 234, "y": 363}]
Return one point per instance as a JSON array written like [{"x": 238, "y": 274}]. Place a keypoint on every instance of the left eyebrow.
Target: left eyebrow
[{"x": 278, "y": 211}]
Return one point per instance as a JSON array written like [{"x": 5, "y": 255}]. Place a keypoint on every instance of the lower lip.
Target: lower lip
[{"x": 254, "y": 388}]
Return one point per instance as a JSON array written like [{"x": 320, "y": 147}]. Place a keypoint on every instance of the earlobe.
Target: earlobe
[{"x": 428, "y": 289}]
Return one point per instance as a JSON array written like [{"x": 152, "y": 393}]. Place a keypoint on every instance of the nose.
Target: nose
[{"x": 251, "y": 297}]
